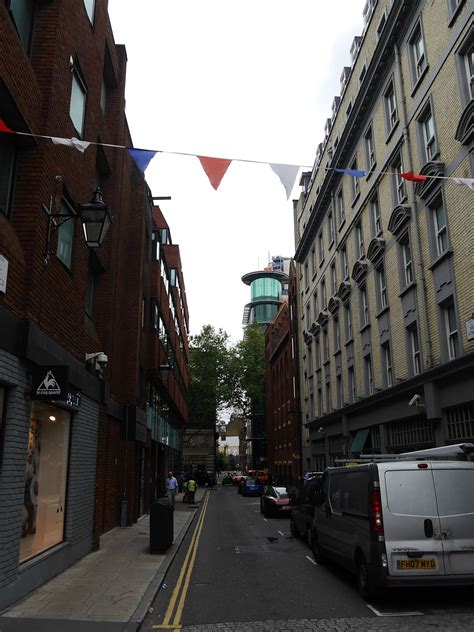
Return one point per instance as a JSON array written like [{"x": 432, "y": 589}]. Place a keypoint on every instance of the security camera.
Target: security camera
[
  {"x": 102, "y": 360},
  {"x": 415, "y": 400}
]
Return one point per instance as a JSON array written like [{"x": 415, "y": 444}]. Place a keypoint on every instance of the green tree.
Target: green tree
[
  {"x": 210, "y": 376},
  {"x": 248, "y": 365}
]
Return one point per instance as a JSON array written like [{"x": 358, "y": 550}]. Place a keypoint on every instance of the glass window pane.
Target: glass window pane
[
  {"x": 78, "y": 104},
  {"x": 22, "y": 12},
  {"x": 65, "y": 239},
  {"x": 45, "y": 480},
  {"x": 7, "y": 162},
  {"x": 89, "y": 4}
]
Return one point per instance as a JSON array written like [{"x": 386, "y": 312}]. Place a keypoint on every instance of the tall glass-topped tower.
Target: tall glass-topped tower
[{"x": 266, "y": 291}]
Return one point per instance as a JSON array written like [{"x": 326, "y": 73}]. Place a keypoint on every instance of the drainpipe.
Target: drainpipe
[{"x": 421, "y": 274}]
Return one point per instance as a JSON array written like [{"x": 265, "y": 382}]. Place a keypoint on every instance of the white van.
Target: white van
[{"x": 398, "y": 523}]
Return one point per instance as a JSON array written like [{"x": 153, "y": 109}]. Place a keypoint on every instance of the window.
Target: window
[
  {"x": 375, "y": 213},
  {"x": 22, "y": 14},
  {"x": 315, "y": 305},
  {"x": 391, "y": 114},
  {"x": 352, "y": 384},
  {"x": 323, "y": 295},
  {"x": 7, "y": 169},
  {"x": 325, "y": 345},
  {"x": 345, "y": 264},
  {"x": 360, "y": 240},
  {"x": 309, "y": 361},
  {"x": 330, "y": 228},
  {"x": 348, "y": 321},
  {"x": 340, "y": 207},
  {"x": 364, "y": 306},
  {"x": 355, "y": 181},
  {"x": 90, "y": 6},
  {"x": 328, "y": 398},
  {"x": 427, "y": 134},
  {"x": 381, "y": 25},
  {"x": 65, "y": 236},
  {"x": 305, "y": 276},
  {"x": 317, "y": 350},
  {"x": 441, "y": 233},
  {"x": 77, "y": 106},
  {"x": 469, "y": 64},
  {"x": 369, "y": 378},
  {"x": 417, "y": 53},
  {"x": 321, "y": 247},
  {"x": 333, "y": 279},
  {"x": 387, "y": 364},
  {"x": 451, "y": 330},
  {"x": 415, "y": 354},
  {"x": 308, "y": 317},
  {"x": 398, "y": 181},
  {"x": 313, "y": 261},
  {"x": 349, "y": 109},
  {"x": 337, "y": 338},
  {"x": 320, "y": 403},
  {"x": 363, "y": 72},
  {"x": 340, "y": 394},
  {"x": 369, "y": 148},
  {"x": 382, "y": 287},
  {"x": 406, "y": 260}
]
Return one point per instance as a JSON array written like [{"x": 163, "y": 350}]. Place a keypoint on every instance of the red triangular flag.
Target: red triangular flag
[
  {"x": 4, "y": 128},
  {"x": 215, "y": 169},
  {"x": 413, "y": 177}
]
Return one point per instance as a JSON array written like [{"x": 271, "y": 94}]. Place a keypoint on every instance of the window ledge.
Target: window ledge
[
  {"x": 364, "y": 327},
  {"x": 337, "y": 352},
  {"x": 339, "y": 228},
  {"x": 445, "y": 255},
  {"x": 455, "y": 13},
  {"x": 321, "y": 262},
  {"x": 355, "y": 200},
  {"x": 419, "y": 80},
  {"x": 391, "y": 132},
  {"x": 382, "y": 311},
  {"x": 348, "y": 341},
  {"x": 407, "y": 288},
  {"x": 370, "y": 171},
  {"x": 331, "y": 244},
  {"x": 326, "y": 362}
]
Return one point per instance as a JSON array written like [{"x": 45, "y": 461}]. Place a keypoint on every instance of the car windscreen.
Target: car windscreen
[
  {"x": 250, "y": 481},
  {"x": 281, "y": 492}
]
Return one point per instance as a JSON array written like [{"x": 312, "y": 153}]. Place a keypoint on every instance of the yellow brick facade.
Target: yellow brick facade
[{"x": 442, "y": 292}]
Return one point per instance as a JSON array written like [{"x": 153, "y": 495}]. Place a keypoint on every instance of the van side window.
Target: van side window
[{"x": 349, "y": 492}]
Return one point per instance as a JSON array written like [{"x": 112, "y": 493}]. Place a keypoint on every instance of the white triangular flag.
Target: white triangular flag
[
  {"x": 80, "y": 145},
  {"x": 287, "y": 175},
  {"x": 468, "y": 182}
]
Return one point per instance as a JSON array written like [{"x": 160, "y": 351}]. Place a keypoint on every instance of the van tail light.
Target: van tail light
[{"x": 376, "y": 511}]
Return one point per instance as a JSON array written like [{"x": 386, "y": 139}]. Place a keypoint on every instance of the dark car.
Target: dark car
[
  {"x": 275, "y": 502},
  {"x": 251, "y": 487},
  {"x": 301, "y": 520}
]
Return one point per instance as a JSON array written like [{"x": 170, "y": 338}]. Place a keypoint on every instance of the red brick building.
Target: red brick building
[
  {"x": 282, "y": 403},
  {"x": 93, "y": 341}
]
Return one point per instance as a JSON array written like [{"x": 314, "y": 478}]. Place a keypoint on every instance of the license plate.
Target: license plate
[{"x": 421, "y": 564}]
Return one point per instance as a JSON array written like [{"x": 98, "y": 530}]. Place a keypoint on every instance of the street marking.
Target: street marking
[
  {"x": 265, "y": 520},
  {"x": 311, "y": 560},
  {"x": 168, "y": 627},
  {"x": 281, "y": 533},
  {"x": 185, "y": 569},
  {"x": 413, "y": 613}
]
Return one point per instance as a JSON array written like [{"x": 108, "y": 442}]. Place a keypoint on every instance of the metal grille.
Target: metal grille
[
  {"x": 411, "y": 432},
  {"x": 375, "y": 437},
  {"x": 336, "y": 445},
  {"x": 460, "y": 422}
]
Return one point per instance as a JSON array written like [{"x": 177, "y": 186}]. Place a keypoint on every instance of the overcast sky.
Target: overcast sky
[{"x": 248, "y": 80}]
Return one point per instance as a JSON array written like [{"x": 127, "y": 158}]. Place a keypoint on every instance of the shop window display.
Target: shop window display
[{"x": 45, "y": 480}]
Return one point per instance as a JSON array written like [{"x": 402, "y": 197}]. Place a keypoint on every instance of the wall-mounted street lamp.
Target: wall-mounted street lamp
[{"x": 95, "y": 218}]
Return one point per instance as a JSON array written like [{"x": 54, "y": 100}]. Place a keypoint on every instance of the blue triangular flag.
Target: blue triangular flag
[
  {"x": 352, "y": 172},
  {"x": 142, "y": 157}
]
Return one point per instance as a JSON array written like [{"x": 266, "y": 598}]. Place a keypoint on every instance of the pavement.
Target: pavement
[{"x": 110, "y": 589}]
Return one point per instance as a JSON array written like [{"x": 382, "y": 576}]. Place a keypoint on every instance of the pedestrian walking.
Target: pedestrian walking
[
  {"x": 171, "y": 486},
  {"x": 191, "y": 489}
]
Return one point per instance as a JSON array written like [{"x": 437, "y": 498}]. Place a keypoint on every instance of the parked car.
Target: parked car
[
  {"x": 227, "y": 480},
  {"x": 251, "y": 487},
  {"x": 302, "y": 516},
  {"x": 237, "y": 479},
  {"x": 262, "y": 475},
  {"x": 400, "y": 523},
  {"x": 275, "y": 502}
]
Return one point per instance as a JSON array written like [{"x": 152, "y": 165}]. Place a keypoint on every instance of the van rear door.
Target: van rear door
[
  {"x": 454, "y": 487},
  {"x": 411, "y": 520}
]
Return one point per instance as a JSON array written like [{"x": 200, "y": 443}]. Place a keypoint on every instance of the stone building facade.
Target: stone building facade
[{"x": 385, "y": 262}]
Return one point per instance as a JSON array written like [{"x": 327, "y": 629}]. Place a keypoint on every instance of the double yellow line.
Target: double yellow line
[{"x": 181, "y": 589}]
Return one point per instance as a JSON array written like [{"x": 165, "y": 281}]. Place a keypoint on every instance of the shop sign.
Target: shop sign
[
  {"x": 73, "y": 399},
  {"x": 470, "y": 328},
  {"x": 50, "y": 383}
]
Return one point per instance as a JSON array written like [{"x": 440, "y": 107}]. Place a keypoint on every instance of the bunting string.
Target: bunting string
[{"x": 215, "y": 168}]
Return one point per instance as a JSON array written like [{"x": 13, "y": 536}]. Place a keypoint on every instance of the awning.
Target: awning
[{"x": 359, "y": 440}]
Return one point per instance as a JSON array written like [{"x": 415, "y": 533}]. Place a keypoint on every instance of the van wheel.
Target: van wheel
[
  {"x": 365, "y": 580},
  {"x": 316, "y": 549}
]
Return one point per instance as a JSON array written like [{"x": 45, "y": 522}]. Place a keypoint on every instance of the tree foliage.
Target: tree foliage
[{"x": 249, "y": 368}]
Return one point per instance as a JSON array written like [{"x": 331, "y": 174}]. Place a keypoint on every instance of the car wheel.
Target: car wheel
[
  {"x": 316, "y": 549},
  {"x": 293, "y": 529},
  {"x": 309, "y": 538},
  {"x": 365, "y": 580}
]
